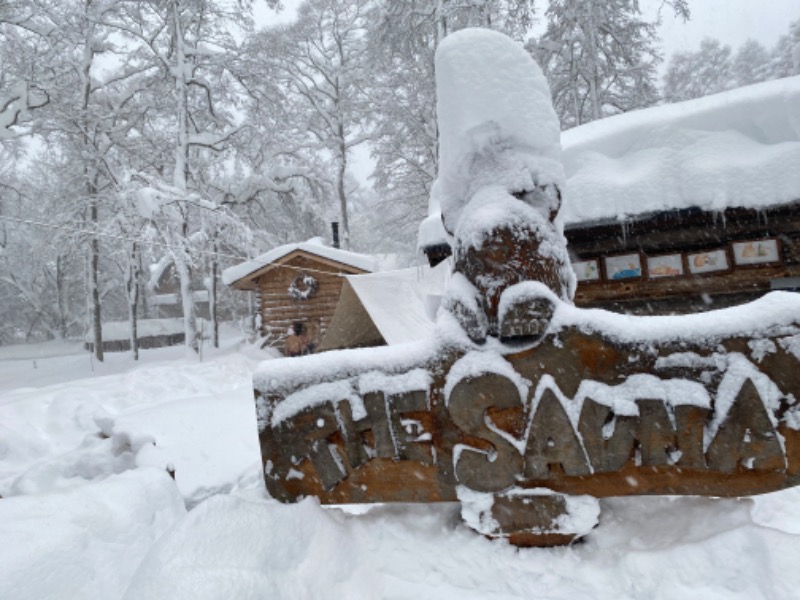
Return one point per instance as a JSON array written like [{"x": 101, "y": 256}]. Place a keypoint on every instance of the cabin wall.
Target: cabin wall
[
  {"x": 279, "y": 311},
  {"x": 687, "y": 234}
]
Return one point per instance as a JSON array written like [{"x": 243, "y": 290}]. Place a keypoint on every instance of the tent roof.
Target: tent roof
[{"x": 400, "y": 306}]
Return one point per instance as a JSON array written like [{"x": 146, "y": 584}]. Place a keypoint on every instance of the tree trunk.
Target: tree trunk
[
  {"x": 94, "y": 292},
  {"x": 90, "y": 174},
  {"x": 132, "y": 284},
  {"x": 340, "y": 184},
  {"x": 212, "y": 297},
  {"x": 189, "y": 318},
  {"x": 179, "y": 178},
  {"x": 591, "y": 59}
]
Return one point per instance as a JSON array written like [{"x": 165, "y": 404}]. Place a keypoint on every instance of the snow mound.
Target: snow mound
[
  {"x": 234, "y": 547},
  {"x": 198, "y": 418},
  {"x": 86, "y": 542},
  {"x": 740, "y": 148}
]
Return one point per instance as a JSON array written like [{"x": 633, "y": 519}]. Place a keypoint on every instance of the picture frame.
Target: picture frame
[
  {"x": 623, "y": 266},
  {"x": 708, "y": 261},
  {"x": 756, "y": 252},
  {"x": 665, "y": 265},
  {"x": 587, "y": 271}
]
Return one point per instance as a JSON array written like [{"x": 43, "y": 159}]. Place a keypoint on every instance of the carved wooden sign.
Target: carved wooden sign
[
  {"x": 523, "y": 407},
  {"x": 582, "y": 412}
]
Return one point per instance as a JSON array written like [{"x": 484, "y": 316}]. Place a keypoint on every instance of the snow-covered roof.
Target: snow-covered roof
[
  {"x": 402, "y": 303},
  {"x": 737, "y": 149},
  {"x": 312, "y": 246},
  {"x": 394, "y": 306}
]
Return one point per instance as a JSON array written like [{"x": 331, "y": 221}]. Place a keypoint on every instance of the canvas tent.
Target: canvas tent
[{"x": 387, "y": 308}]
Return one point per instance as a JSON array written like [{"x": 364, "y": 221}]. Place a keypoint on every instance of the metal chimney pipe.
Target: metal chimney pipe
[{"x": 335, "y": 229}]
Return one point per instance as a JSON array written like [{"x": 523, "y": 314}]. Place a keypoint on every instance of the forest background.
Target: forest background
[{"x": 139, "y": 138}]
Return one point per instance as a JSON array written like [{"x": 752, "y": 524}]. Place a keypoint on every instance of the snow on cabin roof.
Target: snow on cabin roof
[
  {"x": 313, "y": 246},
  {"x": 737, "y": 149}
]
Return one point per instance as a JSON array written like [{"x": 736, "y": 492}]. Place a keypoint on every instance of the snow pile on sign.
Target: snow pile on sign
[
  {"x": 740, "y": 148},
  {"x": 496, "y": 120}
]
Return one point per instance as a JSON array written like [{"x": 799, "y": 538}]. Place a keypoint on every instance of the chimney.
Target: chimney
[{"x": 335, "y": 229}]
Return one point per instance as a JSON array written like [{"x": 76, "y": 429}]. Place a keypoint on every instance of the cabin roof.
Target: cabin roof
[{"x": 242, "y": 274}]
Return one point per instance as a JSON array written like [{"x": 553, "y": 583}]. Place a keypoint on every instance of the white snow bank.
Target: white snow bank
[
  {"x": 86, "y": 542},
  {"x": 200, "y": 416},
  {"x": 231, "y": 547},
  {"x": 312, "y": 246},
  {"x": 496, "y": 121},
  {"x": 740, "y": 148},
  {"x": 211, "y": 442}
]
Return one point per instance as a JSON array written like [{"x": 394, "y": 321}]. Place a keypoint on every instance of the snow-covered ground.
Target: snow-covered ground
[{"x": 88, "y": 510}]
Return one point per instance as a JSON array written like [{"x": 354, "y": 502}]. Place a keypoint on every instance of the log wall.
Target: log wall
[
  {"x": 685, "y": 232},
  {"x": 279, "y": 311}
]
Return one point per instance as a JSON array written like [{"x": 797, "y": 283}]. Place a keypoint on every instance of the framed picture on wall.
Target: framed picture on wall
[
  {"x": 668, "y": 265},
  {"x": 586, "y": 270},
  {"x": 626, "y": 266},
  {"x": 711, "y": 261},
  {"x": 756, "y": 252}
]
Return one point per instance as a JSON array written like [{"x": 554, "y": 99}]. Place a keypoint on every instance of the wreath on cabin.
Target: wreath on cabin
[{"x": 303, "y": 287}]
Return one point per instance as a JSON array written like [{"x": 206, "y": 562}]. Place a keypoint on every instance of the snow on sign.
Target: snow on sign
[{"x": 521, "y": 406}]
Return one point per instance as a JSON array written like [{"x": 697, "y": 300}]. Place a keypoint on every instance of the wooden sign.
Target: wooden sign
[
  {"x": 523, "y": 407},
  {"x": 598, "y": 412}
]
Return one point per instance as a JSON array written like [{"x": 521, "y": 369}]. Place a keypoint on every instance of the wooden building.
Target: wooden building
[
  {"x": 297, "y": 288},
  {"x": 681, "y": 208},
  {"x": 688, "y": 260},
  {"x": 151, "y": 333}
]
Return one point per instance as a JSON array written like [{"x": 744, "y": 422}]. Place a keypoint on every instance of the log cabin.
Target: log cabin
[{"x": 297, "y": 287}]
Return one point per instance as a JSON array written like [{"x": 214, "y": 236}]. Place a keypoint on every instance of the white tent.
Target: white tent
[{"x": 389, "y": 307}]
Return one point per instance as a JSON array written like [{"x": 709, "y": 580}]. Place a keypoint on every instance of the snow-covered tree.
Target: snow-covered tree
[
  {"x": 73, "y": 60},
  {"x": 695, "y": 74},
  {"x": 785, "y": 59},
  {"x": 751, "y": 64},
  {"x": 187, "y": 45},
  {"x": 599, "y": 57},
  {"x": 319, "y": 59}
]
